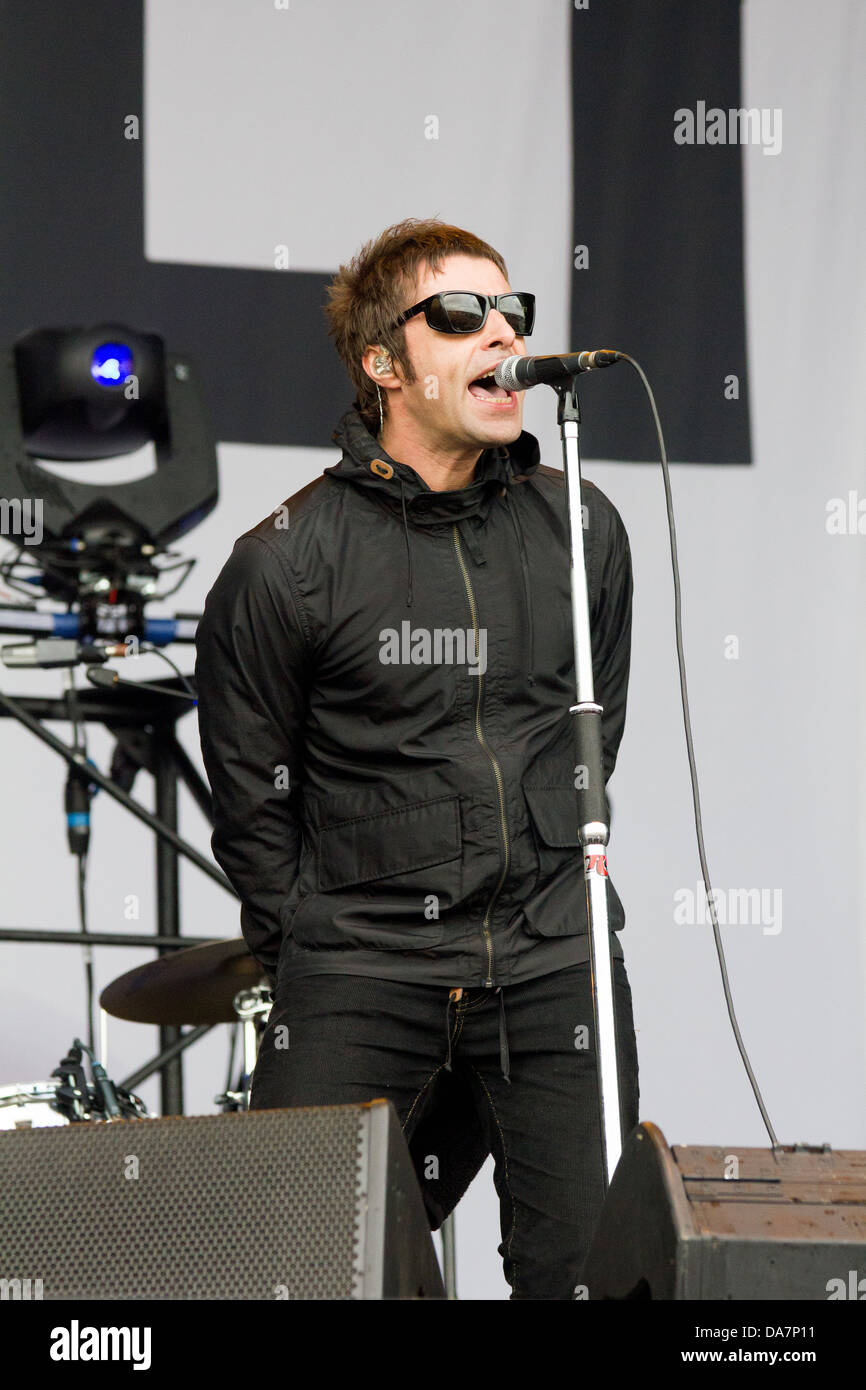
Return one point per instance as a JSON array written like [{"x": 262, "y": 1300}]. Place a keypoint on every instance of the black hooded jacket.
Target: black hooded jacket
[{"x": 384, "y": 678}]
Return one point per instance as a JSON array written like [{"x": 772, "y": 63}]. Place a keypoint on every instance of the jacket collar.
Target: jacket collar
[{"x": 365, "y": 464}]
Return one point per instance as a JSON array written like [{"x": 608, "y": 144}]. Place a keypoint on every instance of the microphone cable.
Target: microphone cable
[
  {"x": 79, "y": 794},
  {"x": 696, "y": 796}
]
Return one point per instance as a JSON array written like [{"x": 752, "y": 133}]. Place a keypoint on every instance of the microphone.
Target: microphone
[
  {"x": 49, "y": 652},
  {"x": 100, "y": 675},
  {"x": 519, "y": 373},
  {"x": 107, "y": 1090}
]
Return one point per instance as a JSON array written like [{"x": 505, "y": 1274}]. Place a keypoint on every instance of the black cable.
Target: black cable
[
  {"x": 106, "y": 1089},
  {"x": 79, "y": 746},
  {"x": 720, "y": 950},
  {"x": 27, "y": 561},
  {"x": 185, "y": 565},
  {"x": 60, "y": 566},
  {"x": 87, "y": 948},
  {"x": 157, "y": 651}
]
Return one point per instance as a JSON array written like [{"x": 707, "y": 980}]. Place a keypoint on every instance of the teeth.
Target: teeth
[{"x": 506, "y": 400}]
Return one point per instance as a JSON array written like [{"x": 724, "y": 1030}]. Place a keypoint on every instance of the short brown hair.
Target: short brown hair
[{"x": 369, "y": 293}]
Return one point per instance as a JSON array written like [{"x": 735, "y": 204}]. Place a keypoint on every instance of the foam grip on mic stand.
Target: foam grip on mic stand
[{"x": 589, "y": 768}]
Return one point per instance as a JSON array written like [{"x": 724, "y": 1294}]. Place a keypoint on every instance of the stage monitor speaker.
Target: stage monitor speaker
[
  {"x": 735, "y": 1223},
  {"x": 308, "y": 1203}
]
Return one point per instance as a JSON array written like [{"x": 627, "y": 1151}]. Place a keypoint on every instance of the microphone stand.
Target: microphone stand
[{"x": 593, "y": 828}]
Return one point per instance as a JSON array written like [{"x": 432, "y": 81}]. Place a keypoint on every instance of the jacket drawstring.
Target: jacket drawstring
[
  {"x": 518, "y": 530},
  {"x": 503, "y": 1040},
  {"x": 408, "y": 549}
]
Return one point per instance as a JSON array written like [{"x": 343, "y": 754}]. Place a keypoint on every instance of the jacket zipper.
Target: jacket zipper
[{"x": 497, "y": 772}]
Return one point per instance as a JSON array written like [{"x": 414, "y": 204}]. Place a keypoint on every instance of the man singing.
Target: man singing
[{"x": 385, "y": 668}]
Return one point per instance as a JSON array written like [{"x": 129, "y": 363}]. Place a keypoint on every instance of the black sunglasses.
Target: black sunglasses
[{"x": 462, "y": 311}]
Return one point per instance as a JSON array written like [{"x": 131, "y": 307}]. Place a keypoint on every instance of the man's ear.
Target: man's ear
[{"x": 380, "y": 367}]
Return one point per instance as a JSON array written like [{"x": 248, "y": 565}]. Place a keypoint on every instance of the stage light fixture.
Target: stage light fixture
[{"x": 80, "y": 395}]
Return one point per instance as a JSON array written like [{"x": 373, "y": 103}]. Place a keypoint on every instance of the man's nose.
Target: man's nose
[{"x": 497, "y": 330}]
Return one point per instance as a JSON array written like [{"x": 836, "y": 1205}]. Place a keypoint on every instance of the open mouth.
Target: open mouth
[{"x": 484, "y": 388}]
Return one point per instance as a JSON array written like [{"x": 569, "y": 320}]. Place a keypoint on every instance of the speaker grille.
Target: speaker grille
[{"x": 176, "y": 1207}]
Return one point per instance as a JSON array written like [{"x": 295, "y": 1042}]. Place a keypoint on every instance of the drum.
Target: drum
[{"x": 38, "y": 1104}]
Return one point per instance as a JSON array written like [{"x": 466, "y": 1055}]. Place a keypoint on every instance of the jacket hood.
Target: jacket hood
[{"x": 400, "y": 486}]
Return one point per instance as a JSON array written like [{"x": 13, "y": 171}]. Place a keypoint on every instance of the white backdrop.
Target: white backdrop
[{"x": 256, "y": 123}]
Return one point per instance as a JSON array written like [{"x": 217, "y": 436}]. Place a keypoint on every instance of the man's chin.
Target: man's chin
[{"x": 496, "y": 431}]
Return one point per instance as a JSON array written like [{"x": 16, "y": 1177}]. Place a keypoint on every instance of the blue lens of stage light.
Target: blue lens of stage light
[{"x": 111, "y": 364}]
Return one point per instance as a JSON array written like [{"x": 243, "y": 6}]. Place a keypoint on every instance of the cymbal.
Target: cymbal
[{"x": 192, "y": 986}]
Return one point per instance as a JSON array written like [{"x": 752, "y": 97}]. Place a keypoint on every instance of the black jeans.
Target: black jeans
[{"x": 347, "y": 1038}]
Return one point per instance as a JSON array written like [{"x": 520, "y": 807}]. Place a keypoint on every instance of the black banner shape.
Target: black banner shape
[
  {"x": 662, "y": 222},
  {"x": 663, "y": 226},
  {"x": 72, "y": 233}
]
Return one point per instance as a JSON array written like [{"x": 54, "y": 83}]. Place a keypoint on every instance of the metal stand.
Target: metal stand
[
  {"x": 252, "y": 1007},
  {"x": 593, "y": 828},
  {"x": 449, "y": 1256},
  {"x": 143, "y": 723}
]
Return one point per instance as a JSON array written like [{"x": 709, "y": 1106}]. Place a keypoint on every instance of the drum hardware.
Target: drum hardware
[
  {"x": 68, "y": 1098},
  {"x": 219, "y": 982},
  {"x": 194, "y": 986},
  {"x": 72, "y": 1089},
  {"x": 252, "y": 1007}
]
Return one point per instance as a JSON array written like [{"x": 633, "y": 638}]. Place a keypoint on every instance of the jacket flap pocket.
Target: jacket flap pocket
[
  {"x": 364, "y": 849},
  {"x": 554, "y": 814}
]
